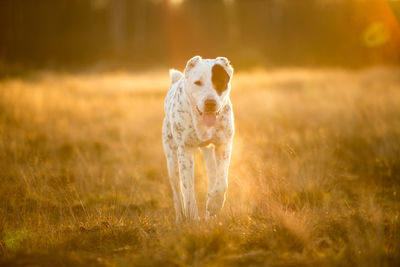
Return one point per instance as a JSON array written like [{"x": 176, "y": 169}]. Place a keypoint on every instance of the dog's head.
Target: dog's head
[{"x": 208, "y": 82}]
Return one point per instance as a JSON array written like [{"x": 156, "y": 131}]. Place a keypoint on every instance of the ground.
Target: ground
[{"x": 314, "y": 177}]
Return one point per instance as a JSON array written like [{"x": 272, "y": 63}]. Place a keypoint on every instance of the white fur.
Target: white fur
[
  {"x": 184, "y": 131},
  {"x": 175, "y": 75}
]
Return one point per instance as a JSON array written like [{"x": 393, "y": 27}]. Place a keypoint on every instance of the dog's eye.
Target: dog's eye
[{"x": 199, "y": 83}]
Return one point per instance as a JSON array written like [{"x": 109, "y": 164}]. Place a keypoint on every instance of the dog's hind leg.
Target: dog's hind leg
[{"x": 173, "y": 170}]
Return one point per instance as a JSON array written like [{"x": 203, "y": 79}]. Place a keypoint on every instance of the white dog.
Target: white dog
[{"x": 198, "y": 113}]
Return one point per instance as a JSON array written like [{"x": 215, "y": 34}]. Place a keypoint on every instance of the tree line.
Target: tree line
[{"x": 147, "y": 33}]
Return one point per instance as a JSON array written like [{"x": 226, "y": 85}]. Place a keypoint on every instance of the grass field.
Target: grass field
[{"x": 314, "y": 177}]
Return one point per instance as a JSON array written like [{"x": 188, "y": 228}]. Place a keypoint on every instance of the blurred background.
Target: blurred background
[
  {"x": 314, "y": 178},
  {"x": 142, "y": 34}
]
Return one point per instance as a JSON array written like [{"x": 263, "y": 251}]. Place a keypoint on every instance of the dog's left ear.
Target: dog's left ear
[
  {"x": 226, "y": 64},
  {"x": 191, "y": 63}
]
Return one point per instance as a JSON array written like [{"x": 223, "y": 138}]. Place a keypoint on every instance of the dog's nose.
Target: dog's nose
[{"x": 210, "y": 105}]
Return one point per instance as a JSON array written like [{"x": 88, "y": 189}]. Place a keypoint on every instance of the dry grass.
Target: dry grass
[{"x": 314, "y": 179}]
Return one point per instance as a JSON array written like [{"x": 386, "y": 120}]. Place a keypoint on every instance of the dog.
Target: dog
[{"x": 198, "y": 114}]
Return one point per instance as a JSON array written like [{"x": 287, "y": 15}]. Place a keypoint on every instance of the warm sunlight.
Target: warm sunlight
[
  {"x": 199, "y": 133},
  {"x": 176, "y": 2}
]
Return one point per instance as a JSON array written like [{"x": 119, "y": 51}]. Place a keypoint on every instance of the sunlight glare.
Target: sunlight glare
[{"x": 176, "y": 2}]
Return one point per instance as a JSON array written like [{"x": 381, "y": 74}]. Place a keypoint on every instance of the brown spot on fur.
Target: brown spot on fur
[{"x": 220, "y": 78}]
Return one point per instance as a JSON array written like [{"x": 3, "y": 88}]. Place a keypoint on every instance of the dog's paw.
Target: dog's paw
[{"x": 215, "y": 203}]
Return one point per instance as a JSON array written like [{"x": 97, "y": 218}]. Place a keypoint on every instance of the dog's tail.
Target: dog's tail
[{"x": 175, "y": 75}]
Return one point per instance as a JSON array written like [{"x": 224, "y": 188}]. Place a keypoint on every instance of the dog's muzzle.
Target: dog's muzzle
[
  {"x": 210, "y": 113},
  {"x": 210, "y": 106}
]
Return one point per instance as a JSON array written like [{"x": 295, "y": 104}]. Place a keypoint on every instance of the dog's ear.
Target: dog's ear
[
  {"x": 226, "y": 64},
  {"x": 191, "y": 63}
]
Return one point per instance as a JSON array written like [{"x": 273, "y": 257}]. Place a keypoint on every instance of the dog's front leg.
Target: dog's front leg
[
  {"x": 211, "y": 168},
  {"x": 216, "y": 198},
  {"x": 186, "y": 170}
]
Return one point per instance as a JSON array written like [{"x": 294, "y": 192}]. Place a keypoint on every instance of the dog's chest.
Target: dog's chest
[{"x": 199, "y": 136}]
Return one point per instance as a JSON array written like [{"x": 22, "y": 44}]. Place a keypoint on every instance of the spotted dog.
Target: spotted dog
[{"x": 198, "y": 113}]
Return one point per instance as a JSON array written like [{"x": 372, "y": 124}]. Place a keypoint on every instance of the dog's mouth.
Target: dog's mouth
[{"x": 209, "y": 118}]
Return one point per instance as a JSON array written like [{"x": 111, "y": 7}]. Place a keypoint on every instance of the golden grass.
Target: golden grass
[{"x": 314, "y": 178}]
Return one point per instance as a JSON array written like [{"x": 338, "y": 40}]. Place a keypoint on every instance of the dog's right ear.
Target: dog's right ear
[
  {"x": 191, "y": 63},
  {"x": 226, "y": 64}
]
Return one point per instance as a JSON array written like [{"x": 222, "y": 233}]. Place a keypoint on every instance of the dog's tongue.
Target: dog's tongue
[{"x": 209, "y": 119}]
